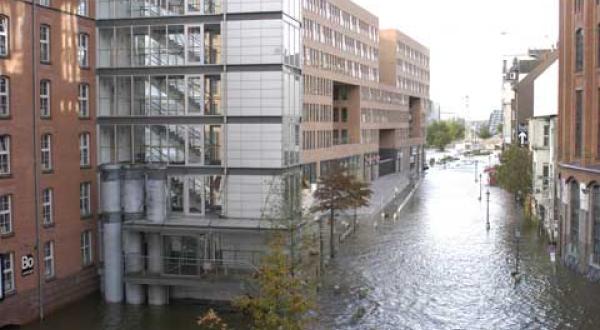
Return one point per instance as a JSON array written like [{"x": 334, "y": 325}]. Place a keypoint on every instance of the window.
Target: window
[
  {"x": 546, "y": 175},
  {"x": 84, "y": 100},
  {"x": 5, "y": 214},
  {"x": 83, "y": 50},
  {"x": 84, "y": 149},
  {"x": 45, "y": 98},
  {"x": 86, "y": 248},
  {"x": 4, "y": 97},
  {"x": 579, "y": 50},
  {"x": 546, "y": 135},
  {"x": 46, "y": 148},
  {"x": 84, "y": 199},
  {"x": 44, "y": 2},
  {"x": 344, "y": 115},
  {"x": 82, "y": 8},
  {"x": 8, "y": 272},
  {"x": 45, "y": 44},
  {"x": 4, "y": 45},
  {"x": 49, "y": 259},
  {"x": 47, "y": 200},
  {"x": 596, "y": 224},
  {"x": 574, "y": 223},
  {"x": 578, "y": 123},
  {"x": 4, "y": 154}
]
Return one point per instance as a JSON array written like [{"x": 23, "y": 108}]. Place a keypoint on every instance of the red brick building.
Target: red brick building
[
  {"x": 47, "y": 173},
  {"x": 579, "y": 136}
]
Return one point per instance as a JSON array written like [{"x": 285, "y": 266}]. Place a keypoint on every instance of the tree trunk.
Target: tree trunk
[
  {"x": 332, "y": 234},
  {"x": 321, "y": 248}
]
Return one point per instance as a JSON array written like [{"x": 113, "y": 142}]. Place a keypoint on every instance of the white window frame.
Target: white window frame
[
  {"x": 85, "y": 208},
  {"x": 46, "y": 152},
  {"x": 48, "y": 206},
  {"x": 187, "y": 7},
  {"x": 44, "y": 3},
  {"x": 84, "y": 149},
  {"x": 4, "y": 36},
  {"x": 5, "y": 153},
  {"x": 6, "y": 214},
  {"x": 45, "y": 101},
  {"x": 5, "y": 94},
  {"x": 49, "y": 271},
  {"x": 84, "y": 100},
  {"x": 45, "y": 30},
  {"x": 87, "y": 253},
  {"x": 8, "y": 273},
  {"x": 82, "y": 8},
  {"x": 83, "y": 49}
]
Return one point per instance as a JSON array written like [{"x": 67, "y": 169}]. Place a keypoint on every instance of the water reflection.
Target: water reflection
[{"x": 438, "y": 267}]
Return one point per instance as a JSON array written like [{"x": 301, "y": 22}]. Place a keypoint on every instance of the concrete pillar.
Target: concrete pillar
[
  {"x": 156, "y": 212},
  {"x": 110, "y": 190},
  {"x": 133, "y": 209},
  {"x": 157, "y": 294}
]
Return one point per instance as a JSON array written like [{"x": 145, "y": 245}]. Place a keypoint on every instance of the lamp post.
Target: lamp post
[
  {"x": 480, "y": 186},
  {"x": 476, "y": 169},
  {"x": 487, "y": 213}
]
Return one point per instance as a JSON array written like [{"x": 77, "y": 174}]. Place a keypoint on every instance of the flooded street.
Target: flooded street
[{"x": 436, "y": 267}]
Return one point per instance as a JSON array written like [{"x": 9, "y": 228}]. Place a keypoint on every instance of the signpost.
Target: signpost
[
  {"x": 522, "y": 138},
  {"x": 27, "y": 265}
]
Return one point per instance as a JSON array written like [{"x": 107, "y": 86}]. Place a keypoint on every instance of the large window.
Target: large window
[
  {"x": 87, "y": 257},
  {"x": 85, "y": 208},
  {"x": 546, "y": 135},
  {"x": 44, "y": 2},
  {"x": 574, "y": 223},
  {"x": 4, "y": 36},
  {"x": 4, "y": 154},
  {"x": 84, "y": 100},
  {"x": 82, "y": 7},
  {"x": 83, "y": 50},
  {"x": 8, "y": 272},
  {"x": 578, "y": 123},
  {"x": 45, "y": 44},
  {"x": 49, "y": 259},
  {"x": 5, "y": 214},
  {"x": 596, "y": 225},
  {"x": 4, "y": 97},
  {"x": 46, "y": 149},
  {"x": 47, "y": 206},
  {"x": 45, "y": 98},
  {"x": 84, "y": 149},
  {"x": 579, "y": 48}
]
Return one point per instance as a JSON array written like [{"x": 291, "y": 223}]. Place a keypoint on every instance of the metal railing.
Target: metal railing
[{"x": 184, "y": 267}]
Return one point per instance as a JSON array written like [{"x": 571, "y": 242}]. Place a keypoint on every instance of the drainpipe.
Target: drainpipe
[{"x": 36, "y": 175}]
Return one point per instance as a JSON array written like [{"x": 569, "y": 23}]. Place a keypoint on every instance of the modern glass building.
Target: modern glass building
[{"x": 199, "y": 106}]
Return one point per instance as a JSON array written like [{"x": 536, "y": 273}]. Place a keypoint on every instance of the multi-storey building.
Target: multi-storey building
[
  {"x": 495, "y": 122},
  {"x": 199, "y": 106},
  {"x": 47, "y": 175},
  {"x": 578, "y": 136},
  {"x": 354, "y": 116}
]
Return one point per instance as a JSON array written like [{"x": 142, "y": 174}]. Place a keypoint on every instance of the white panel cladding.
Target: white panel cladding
[
  {"x": 254, "y": 42},
  {"x": 254, "y": 145},
  {"x": 252, "y": 6},
  {"x": 251, "y": 196},
  {"x": 255, "y": 93}
]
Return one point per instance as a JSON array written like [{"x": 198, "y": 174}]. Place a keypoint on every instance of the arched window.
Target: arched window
[
  {"x": 579, "y": 50},
  {"x": 4, "y": 36},
  {"x": 596, "y": 225},
  {"x": 574, "y": 221}
]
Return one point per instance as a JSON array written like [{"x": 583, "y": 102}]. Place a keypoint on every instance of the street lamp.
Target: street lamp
[
  {"x": 480, "y": 184},
  {"x": 487, "y": 217}
]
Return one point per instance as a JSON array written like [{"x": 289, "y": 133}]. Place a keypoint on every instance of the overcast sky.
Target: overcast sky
[{"x": 468, "y": 39}]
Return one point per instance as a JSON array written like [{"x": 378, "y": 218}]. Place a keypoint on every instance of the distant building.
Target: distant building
[
  {"x": 495, "y": 121},
  {"x": 433, "y": 113}
]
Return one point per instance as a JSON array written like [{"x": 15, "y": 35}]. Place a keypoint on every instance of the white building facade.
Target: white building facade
[{"x": 199, "y": 106}]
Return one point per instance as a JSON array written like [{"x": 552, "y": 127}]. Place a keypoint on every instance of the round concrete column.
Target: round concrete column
[
  {"x": 156, "y": 193},
  {"x": 133, "y": 192},
  {"x": 110, "y": 190},
  {"x": 157, "y": 294},
  {"x": 134, "y": 263}
]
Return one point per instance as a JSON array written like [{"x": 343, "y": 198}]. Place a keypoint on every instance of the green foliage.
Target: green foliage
[
  {"x": 514, "y": 173},
  {"x": 500, "y": 128},
  {"x": 442, "y": 133},
  {"x": 211, "y": 321},
  {"x": 484, "y": 133},
  {"x": 339, "y": 191},
  {"x": 284, "y": 301}
]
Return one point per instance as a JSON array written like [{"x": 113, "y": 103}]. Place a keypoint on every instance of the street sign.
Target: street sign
[
  {"x": 27, "y": 264},
  {"x": 522, "y": 137}
]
